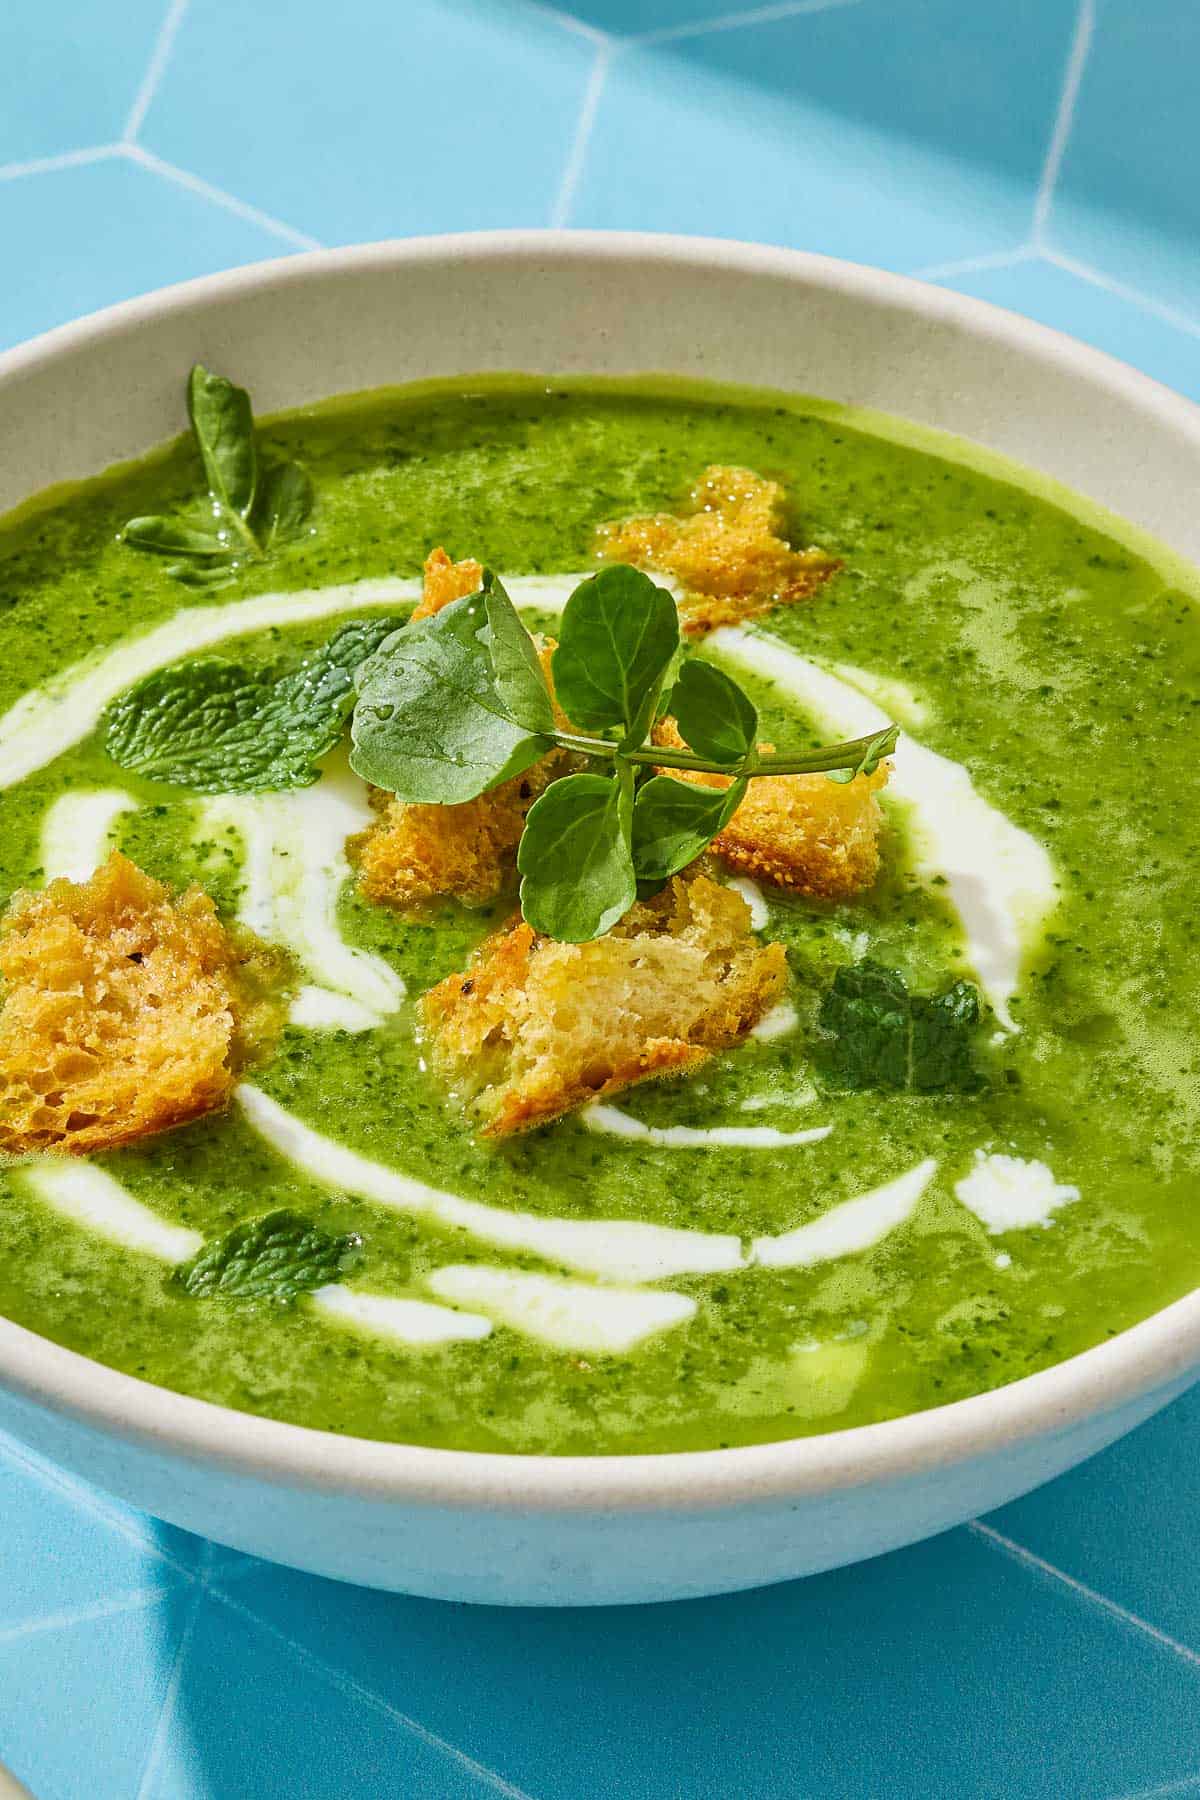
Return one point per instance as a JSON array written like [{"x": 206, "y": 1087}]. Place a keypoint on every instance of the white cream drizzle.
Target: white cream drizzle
[
  {"x": 77, "y": 831},
  {"x": 620, "y": 1250},
  {"x": 90, "y": 1197},
  {"x": 896, "y": 697},
  {"x": 566, "y": 1315},
  {"x": 781, "y": 1020},
  {"x": 1000, "y": 879},
  {"x": 853, "y": 1226},
  {"x": 293, "y": 870},
  {"x": 394, "y": 1316},
  {"x": 620, "y": 1124},
  {"x": 1008, "y": 1193},
  {"x": 752, "y": 894}
]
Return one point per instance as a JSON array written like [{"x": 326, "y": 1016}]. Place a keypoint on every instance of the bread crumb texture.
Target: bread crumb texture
[
  {"x": 727, "y": 552},
  {"x": 123, "y": 1010},
  {"x": 806, "y": 833},
  {"x": 417, "y": 854},
  {"x": 534, "y": 1028}
]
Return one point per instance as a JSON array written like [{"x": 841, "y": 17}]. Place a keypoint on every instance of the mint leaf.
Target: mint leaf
[
  {"x": 217, "y": 727},
  {"x": 223, "y": 424},
  {"x": 575, "y": 857},
  {"x": 430, "y": 723},
  {"x": 520, "y": 682},
  {"x": 715, "y": 718},
  {"x": 674, "y": 822},
  {"x": 878, "y": 1035},
  {"x": 271, "y": 1258},
  {"x": 616, "y": 640},
  {"x": 285, "y": 502}
]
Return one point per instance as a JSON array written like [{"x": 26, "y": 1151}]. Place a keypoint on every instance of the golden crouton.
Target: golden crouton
[
  {"x": 803, "y": 832},
  {"x": 416, "y": 853},
  {"x": 445, "y": 581},
  {"x": 727, "y": 553},
  {"x": 124, "y": 1011},
  {"x": 534, "y": 1028}
]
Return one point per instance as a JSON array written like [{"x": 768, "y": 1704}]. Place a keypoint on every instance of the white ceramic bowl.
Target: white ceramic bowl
[{"x": 540, "y": 1530}]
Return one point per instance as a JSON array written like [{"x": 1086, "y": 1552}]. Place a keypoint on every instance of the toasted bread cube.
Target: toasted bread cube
[
  {"x": 728, "y": 552},
  {"x": 124, "y": 1011},
  {"x": 802, "y": 832},
  {"x": 445, "y": 581},
  {"x": 533, "y": 1028}
]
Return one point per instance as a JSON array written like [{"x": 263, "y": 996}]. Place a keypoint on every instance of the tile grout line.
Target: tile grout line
[
  {"x": 560, "y": 212},
  {"x": 156, "y": 68},
  {"x": 135, "y": 1600},
  {"x": 67, "y": 159},
  {"x": 577, "y": 27},
  {"x": 1159, "y": 309},
  {"x": 92, "y": 1501},
  {"x": 734, "y": 21},
  {"x": 170, "y": 1699},
  {"x": 356, "y": 1691},
  {"x": 968, "y": 265},
  {"x": 196, "y": 184},
  {"x": 1081, "y": 43},
  {"x": 1185, "y": 1784},
  {"x": 1006, "y": 1546}
]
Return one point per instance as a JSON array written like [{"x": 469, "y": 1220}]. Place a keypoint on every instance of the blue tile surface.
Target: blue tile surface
[{"x": 1037, "y": 153}]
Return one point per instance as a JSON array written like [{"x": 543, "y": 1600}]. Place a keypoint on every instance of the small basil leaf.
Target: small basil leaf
[
  {"x": 518, "y": 673},
  {"x": 271, "y": 1258},
  {"x": 285, "y": 502},
  {"x": 616, "y": 640},
  {"x": 881, "y": 745},
  {"x": 224, "y": 426},
  {"x": 715, "y": 718},
  {"x": 216, "y": 727},
  {"x": 429, "y": 723},
  {"x": 173, "y": 537},
  {"x": 575, "y": 858},
  {"x": 675, "y": 821}
]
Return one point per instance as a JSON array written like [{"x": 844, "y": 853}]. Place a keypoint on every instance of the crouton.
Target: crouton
[
  {"x": 124, "y": 1011},
  {"x": 802, "y": 832},
  {"x": 534, "y": 1028},
  {"x": 727, "y": 552},
  {"x": 416, "y": 854},
  {"x": 445, "y": 581}
]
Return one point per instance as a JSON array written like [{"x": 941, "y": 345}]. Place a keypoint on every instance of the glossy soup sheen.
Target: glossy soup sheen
[{"x": 1054, "y": 661}]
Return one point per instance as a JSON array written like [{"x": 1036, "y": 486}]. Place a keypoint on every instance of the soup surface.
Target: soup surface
[{"x": 1039, "y": 844}]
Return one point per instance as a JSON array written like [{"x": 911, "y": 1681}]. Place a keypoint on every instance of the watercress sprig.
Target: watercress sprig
[
  {"x": 250, "y": 506},
  {"x": 457, "y": 703}
]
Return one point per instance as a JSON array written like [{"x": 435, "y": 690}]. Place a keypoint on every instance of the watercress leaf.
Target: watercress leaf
[
  {"x": 618, "y": 634},
  {"x": 675, "y": 821},
  {"x": 876, "y": 1034},
  {"x": 223, "y": 424},
  {"x": 174, "y": 537},
  {"x": 271, "y": 1258},
  {"x": 575, "y": 858},
  {"x": 515, "y": 666},
  {"x": 215, "y": 726},
  {"x": 876, "y": 748},
  {"x": 430, "y": 724},
  {"x": 285, "y": 501},
  {"x": 715, "y": 717},
  {"x": 202, "y": 574}
]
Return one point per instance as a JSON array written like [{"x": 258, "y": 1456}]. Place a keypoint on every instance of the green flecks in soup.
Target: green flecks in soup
[{"x": 845, "y": 1250}]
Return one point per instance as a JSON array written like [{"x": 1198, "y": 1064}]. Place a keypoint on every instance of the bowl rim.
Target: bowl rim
[{"x": 1150, "y": 1358}]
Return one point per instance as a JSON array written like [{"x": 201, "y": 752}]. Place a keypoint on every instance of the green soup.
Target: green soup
[{"x": 1039, "y": 842}]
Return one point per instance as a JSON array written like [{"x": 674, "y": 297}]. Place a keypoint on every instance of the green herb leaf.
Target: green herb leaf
[
  {"x": 520, "y": 682},
  {"x": 715, "y": 718},
  {"x": 881, "y": 1036},
  {"x": 224, "y": 426},
  {"x": 881, "y": 745},
  {"x": 174, "y": 537},
  {"x": 430, "y": 723},
  {"x": 217, "y": 727},
  {"x": 271, "y": 1258},
  {"x": 575, "y": 857},
  {"x": 285, "y": 503},
  {"x": 675, "y": 821},
  {"x": 618, "y": 635}
]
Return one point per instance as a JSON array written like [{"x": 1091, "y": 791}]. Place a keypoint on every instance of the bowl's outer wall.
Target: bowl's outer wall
[
  {"x": 300, "y": 330},
  {"x": 505, "y": 1556}
]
